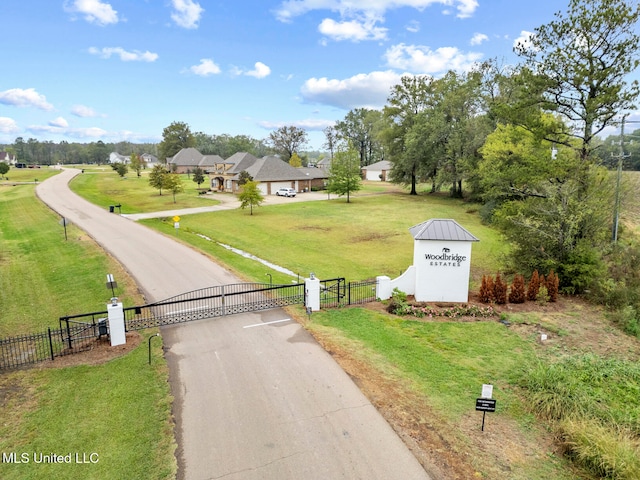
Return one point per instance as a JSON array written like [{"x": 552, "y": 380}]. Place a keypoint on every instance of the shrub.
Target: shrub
[
  {"x": 534, "y": 285},
  {"x": 486, "y": 290},
  {"x": 605, "y": 452},
  {"x": 500, "y": 290},
  {"x": 517, "y": 293},
  {"x": 543, "y": 296},
  {"x": 552, "y": 283}
]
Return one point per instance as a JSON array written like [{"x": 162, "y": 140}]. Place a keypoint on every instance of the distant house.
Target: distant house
[
  {"x": 7, "y": 157},
  {"x": 149, "y": 159},
  {"x": 188, "y": 159},
  {"x": 115, "y": 157},
  {"x": 271, "y": 172},
  {"x": 378, "y": 172}
]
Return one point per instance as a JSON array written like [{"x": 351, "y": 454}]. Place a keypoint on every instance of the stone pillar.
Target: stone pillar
[
  {"x": 116, "y": 324},
  {"x": 383, "y": 287}
]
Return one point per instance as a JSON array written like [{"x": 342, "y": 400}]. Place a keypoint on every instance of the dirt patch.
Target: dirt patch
[{"x": 98, "y": 352}]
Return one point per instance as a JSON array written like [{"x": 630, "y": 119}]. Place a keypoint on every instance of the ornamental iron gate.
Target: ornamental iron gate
[
  {"x": 213, "y": 302},
  {"x": 78, "y": 332}
]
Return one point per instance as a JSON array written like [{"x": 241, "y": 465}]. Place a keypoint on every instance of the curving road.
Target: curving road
[{"x": 256, "y": 397}]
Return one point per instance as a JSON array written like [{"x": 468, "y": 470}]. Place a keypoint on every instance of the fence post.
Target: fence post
[
  {"x": 69, "y": 334},
  {"x": 50, "y": 343},
  {"x": 312, "y": 293}
]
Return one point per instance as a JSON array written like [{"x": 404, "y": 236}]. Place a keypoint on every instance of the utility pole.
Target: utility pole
[{"x": 621, "y": 156}]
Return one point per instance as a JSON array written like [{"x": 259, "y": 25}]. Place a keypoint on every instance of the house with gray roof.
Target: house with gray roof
[
  {"x": 377, "y": 172},
  {"x": 271, "y": 172}
]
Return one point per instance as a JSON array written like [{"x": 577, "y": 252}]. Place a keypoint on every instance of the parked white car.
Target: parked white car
[{"x": 286, "y": 192}]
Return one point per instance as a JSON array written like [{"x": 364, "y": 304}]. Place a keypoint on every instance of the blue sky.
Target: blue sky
[{"x": 113, "y": 70}]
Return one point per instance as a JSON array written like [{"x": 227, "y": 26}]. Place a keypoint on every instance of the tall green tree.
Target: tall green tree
[
  {"x": 250, "y": 196},
  {"x": 360, "y": 129},
  {"x": 407, "y": 100},
  {"x": 288, "y": 140},
  {"x": 175, "y": 137},
  {"x": 345, "y": 175},
  {"x": 579, "y": 63}
]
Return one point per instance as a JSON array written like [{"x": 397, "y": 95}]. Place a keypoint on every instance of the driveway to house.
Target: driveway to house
[
  {"x": 255, "y": 396},
  {"x": 227, "y": 201}
]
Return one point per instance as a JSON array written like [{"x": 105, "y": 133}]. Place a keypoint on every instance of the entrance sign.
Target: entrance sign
[{"x": 442, "y": 261}]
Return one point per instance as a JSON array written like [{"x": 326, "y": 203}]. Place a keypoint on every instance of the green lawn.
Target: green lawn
[
  {"x": 102, "y": 186},
  {"x": 120, "y": 410},
  {"x": 358, "y": 240},
  {"x": 444, "y": 363}
]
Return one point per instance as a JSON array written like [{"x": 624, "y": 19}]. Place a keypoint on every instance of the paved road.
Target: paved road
[{"x": 255, "y": 396}]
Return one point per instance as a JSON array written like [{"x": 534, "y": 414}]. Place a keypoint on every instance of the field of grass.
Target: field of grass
[
  {"x": 42, "y": 275},
  {"x": 102, "y": 186},
  {"x": 440, "y": 365},
  {"x": 120, "y": 410},
  {"x": 358, "y": 240}
]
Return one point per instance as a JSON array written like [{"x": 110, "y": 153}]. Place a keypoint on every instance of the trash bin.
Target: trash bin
[{"x": 111, "y": 208}]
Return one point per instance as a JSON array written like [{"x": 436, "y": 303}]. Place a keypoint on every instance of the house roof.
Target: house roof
[
  {"x": 381, "y": 165},
  {"x": 272, "y": 168},
  {"x": 210, "y": 160},
  {"x": 241, "y": 161},
  {"x": 187, "y": 157},
  {"x": 441, "y": 229},
  {"x": 313, "y": 172}
]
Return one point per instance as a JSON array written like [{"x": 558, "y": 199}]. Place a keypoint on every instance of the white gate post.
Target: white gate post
[
  {"x": 312, "y": 293},
  {"x": 383, "y": 287},
  {"x": 116, "y": 323}
]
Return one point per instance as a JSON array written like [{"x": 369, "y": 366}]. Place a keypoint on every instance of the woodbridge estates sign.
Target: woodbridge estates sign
[
  {"x": 442, "y": 261},
  {"x": 445, "y": 259}
]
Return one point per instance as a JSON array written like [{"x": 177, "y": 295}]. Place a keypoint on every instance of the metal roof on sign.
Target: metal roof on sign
[{"x": 441, "y": 229}]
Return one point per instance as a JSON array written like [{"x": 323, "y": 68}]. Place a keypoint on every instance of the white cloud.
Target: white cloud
[
  {"x": 205, "y": 68},
  {"x": 187, "y": 13},
  {"x": 413, "y": 26},
  {"x": 421, "y": 59},
  {"x": 91, "y": 132},
  {"x": 59, "y": 122},
  {"x": 19, "y": 97},
  {"x": 353, "y": 30},
  {"x": 125, "y": 56},
  {"x": 478, "y": 38},
  {"x": 290, "y": 9},
  {"x": 524, "y": 39},
  {"x": 260, "y": 70},
  {"x": 365, "y": 90},
  {"x": 94, "y": 11},
  {"x": 83, "y": 111},
  {"x": 8, "y": 125}
]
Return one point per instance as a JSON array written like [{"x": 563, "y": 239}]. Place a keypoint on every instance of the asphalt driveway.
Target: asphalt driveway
[{"x": 256, "y": 397}]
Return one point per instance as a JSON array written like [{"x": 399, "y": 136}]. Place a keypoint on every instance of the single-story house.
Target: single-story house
[{"x": 378, "y": 172}]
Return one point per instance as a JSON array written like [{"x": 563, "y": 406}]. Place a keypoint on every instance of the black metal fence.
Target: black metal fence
[
  {"x": 78, "y": 333},
  {"x": 29, "y": 349}
]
